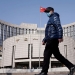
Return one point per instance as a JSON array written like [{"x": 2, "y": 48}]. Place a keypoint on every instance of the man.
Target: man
[{"x": 53, "y": 36}]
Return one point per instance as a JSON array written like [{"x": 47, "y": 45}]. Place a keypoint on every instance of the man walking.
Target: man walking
[{"x": 53, "y": 36}]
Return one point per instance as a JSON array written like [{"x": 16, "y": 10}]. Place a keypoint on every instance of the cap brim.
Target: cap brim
[{"x": 46, "y": 11}]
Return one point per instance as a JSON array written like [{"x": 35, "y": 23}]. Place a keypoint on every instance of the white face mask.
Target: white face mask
[{"x": 48, "y": 14}]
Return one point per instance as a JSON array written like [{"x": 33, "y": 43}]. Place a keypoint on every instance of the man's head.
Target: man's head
[{"x": 49, "y": 11}]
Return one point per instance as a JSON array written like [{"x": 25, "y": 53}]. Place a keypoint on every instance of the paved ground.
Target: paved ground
[{"x": 50, "y": 73}]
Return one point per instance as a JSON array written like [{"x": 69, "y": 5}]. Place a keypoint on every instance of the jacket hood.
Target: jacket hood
[{"x": 56, "y": 14}]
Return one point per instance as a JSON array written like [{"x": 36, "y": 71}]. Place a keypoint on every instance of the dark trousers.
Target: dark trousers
[{"x": 52, "y": 48}]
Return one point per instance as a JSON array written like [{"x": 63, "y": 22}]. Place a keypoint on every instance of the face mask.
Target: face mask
[{"x": 48, "y": 14}]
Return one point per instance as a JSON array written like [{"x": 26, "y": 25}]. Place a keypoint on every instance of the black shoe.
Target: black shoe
[
  {"x": 42, "y": 73},
  {"x": 72, "y": 70}
]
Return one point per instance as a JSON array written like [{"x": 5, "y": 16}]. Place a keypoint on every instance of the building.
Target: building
[{"x": 21, "y": 45}]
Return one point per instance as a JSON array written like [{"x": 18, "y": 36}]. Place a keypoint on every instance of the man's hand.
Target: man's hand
[
  {"x": 43, "y": 43},
  {"x": 60, "y": 40}
]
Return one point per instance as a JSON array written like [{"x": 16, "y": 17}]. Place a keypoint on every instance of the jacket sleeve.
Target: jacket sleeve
[
  {"x": 57, "y": 24},
  {"x": 46, "y": 34},
  {"x": 44, "y": 40}
]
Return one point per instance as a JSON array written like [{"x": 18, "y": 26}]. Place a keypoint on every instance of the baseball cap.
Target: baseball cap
[{"x": 48, "y": 9}]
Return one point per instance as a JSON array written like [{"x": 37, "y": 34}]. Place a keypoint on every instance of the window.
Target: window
[
  {"x": 38, "y": 31},
  {"x": 65, "y": 30},
  {"x": 65, "y": 34},
  {"x": 8, "y": 31},
  {"x": 5, "y": 32},
  {"x": 32, "y": 31},
  {"x": 68, "y": 29},
  {"x": 71, "y": 28},
  {"x": 14, "y": 31},
  {"x": 0, "y": 28},
  {"x": 28, "y": 50},
  {"x": 42, "y": 31},
  {"x": 68, "y": 34},
  {"x": 18, "y": 31},
  {"x": 21, "y": 31},
  {"x": 0, "y": 31},
  {"x": 1, "y": 41},
  {"x": 8, "y": 28},
  {"x": 29, "y": 31},
  {"x": 26, "y": 31},
  {"x": 11, "y": 31},
  {"x": 31, "y": 50},
  {"x": 74, "y": 27},
  {"x": 74, "y": 30},
  {"x": 71, "y": 33}
]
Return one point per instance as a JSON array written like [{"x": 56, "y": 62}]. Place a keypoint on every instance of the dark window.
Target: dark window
[
  {"x": 29, "y": 31},
  {"x": 28, "y": 50},
  {"x": 26, "y": 31},
  {"x": 18, "y": 31},
  {"x": 14, "y": 31}
]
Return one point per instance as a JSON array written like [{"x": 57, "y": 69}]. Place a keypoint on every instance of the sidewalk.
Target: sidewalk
[{"x": 50, "y": 73}]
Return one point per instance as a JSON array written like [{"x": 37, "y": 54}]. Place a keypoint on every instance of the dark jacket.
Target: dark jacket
[{"x": 53, "y": 28}]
